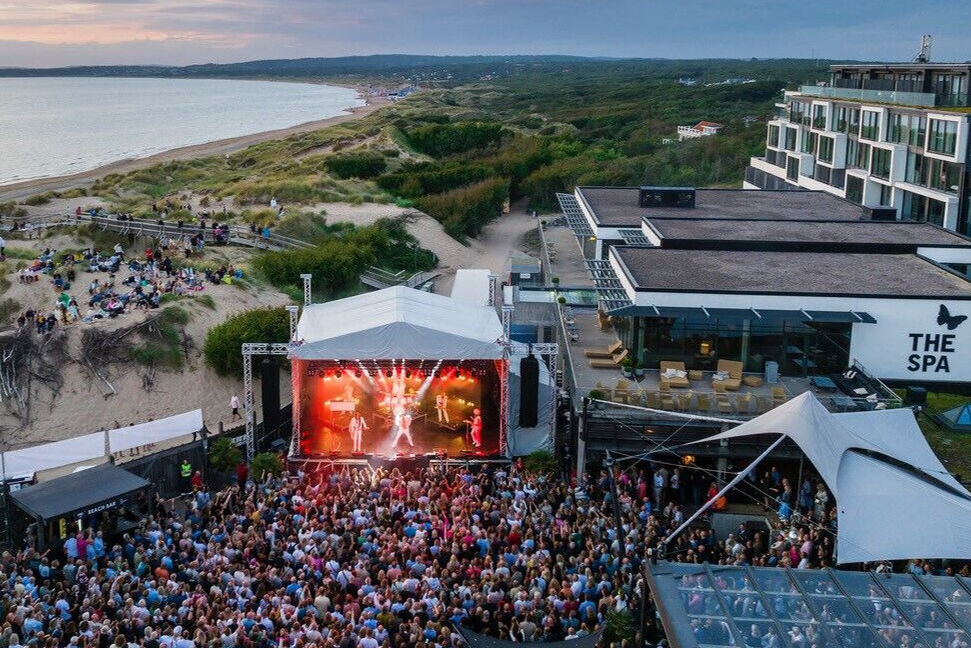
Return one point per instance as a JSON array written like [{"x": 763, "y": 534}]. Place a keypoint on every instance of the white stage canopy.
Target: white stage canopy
[
  {"x": 895, "y": 499},
  {"x": 398, "y": 323},
  {"x": 27, "y": 461}
]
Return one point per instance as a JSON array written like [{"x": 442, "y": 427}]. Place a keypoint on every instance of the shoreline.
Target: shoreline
[{"x": 21, "y": 190}]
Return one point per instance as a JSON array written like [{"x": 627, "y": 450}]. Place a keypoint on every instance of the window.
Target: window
[
  {"x": 886, "y": 195},
  {"x": 854, "y": 189},
  {"x": 826, "y": 149},
  {"x": 842, "y": 121},
  {"x": 819, "y": 116},
  {"x": 921, "y": 208},
  {"x": 799, "y": 112},
  {"x": 871, "y": 125},
  {"x": 897, "y": 128},
  {"x": 790, "y": 139},
  {"x": 918, "y": 130},
  {"x": 854, "y": 120},
  {"x": 809, "y": 140},
  {"x": 915, "y": 168},
  {"x": 880, "y": 165},
  {"x": 943, "y": 176},
  {"x": 773, "y": 135},
  {"x": 943, "y": 136},
  {"x": 858, "y": 155},
  {"x": 792, "y": 168}
]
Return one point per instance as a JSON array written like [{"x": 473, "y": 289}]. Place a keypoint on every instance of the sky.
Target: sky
[{"x": 50, "y": 33}]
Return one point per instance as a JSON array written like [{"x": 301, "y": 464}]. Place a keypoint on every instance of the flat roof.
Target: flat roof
[
  {"x": 873, "y": 232},
  {"x": 618, "y": 206},
  {"x": 789, "y": 273}
]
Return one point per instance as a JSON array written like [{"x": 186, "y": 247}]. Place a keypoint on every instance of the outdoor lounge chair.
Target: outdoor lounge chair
[
  {"x": 609, "y": 363},
  {"x": 675, "y": 382},
  {"x": 684, "y": 400},
  {"x": 723, "y": 403},
  {"x": 606, "y": 353},
  {"x": 734, "y": 370},
  {"x": 704, "y": 403}
]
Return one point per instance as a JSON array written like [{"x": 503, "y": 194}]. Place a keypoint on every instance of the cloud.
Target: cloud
[{"x": 187, "y": 31}]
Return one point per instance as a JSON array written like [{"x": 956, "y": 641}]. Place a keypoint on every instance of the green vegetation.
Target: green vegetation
[
  {"x": 342, "y": 254},
  {"x": 10, "y": 209},
  {"x": 540, "y": 462},
  {"x": 954, "y": 450},
  {"x": 266, "y": 463},
  {"x": 40, "y": 199},
  {"x": 224, "y": 341},
  {"x": 620, "y": 627},
  {"x": 9, "y": 307},
  {"x": 166, "y": 347},
  {"x": 465, "y": 210},
  {"x": 223, "y": 454},
  {"x": 461, "y": 147},
  {"x": 357, "y": 165}
]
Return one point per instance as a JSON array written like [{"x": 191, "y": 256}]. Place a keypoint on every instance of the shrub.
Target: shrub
[
  {"x": 39, "y": 199},
  {"x": 463, "y": 212},
  {"x": 224, "y": 455},
  {"x": 540, "y": 462},
  {"x": 11, "y": 210},
  {"x": 8, "y": 308},
  {"x": 356, "y": 165},
  {"x": 223, "y": 346},
  {"x": 266, "y": 463},
  {"x": 620, "y": 627},
  {"x": 439, "y": 140}
]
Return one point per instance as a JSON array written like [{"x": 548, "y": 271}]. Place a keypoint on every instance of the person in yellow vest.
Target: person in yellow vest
[{"x": 185, "y": 470}]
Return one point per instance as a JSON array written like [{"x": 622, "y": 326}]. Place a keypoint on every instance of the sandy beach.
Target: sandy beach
[{"x": 22, "y": 190}]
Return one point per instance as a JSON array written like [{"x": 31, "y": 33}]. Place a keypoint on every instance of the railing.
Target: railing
[
  {"x": 159, "y": 229},
  {"x": 861, "y": 94},
  {"x": 380, "y": 278}
]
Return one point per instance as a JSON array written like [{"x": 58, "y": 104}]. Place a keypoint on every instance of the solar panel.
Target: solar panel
[
  {"x": 574, "y": 215},
  {"x": 634, "y": 237}
]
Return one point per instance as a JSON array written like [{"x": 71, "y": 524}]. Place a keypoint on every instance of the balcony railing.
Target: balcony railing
[{"x": 926, "y": 99}]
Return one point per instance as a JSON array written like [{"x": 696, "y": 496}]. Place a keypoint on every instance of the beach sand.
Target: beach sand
[{"x": 21, "y": 190}]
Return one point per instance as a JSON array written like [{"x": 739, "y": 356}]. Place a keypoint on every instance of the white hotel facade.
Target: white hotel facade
[{"x": 892, "y": 138}]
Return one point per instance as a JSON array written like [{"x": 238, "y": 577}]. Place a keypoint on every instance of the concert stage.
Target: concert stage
[{"x": 396, "y": 373}]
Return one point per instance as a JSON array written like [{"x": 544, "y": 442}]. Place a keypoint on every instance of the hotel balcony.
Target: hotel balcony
[{"x": 923, "y": 99}]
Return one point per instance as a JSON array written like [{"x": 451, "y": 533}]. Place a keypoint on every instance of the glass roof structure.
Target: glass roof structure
[
  {"x": 574, "y": 215},
  {"x": 704, "y": 606}
]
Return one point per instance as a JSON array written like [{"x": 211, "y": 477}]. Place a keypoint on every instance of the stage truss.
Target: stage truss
[{"x": 251, "y": 349}]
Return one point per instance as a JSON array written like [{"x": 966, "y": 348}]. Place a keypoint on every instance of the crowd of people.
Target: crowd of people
[
  {"x": 116, "y": 283},
  {"x": 362, "y": 558}
]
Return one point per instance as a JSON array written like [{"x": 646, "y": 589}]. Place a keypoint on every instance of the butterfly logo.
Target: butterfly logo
[{"x": 944, "y": 318}]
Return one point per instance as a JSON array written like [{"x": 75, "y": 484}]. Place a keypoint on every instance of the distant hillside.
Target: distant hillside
[{"x": 440, "y": 69}]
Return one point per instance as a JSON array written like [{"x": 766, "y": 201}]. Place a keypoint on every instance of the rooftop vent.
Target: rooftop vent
[{"x": 679, "y": 197}]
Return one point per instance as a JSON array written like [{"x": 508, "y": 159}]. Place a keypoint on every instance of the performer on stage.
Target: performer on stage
[
  {"x": 475, "y": 428},
  {"x": 403, "y": 424},
  {"x": 441, "y": 406},
  {"x": 357, "y": 427}
]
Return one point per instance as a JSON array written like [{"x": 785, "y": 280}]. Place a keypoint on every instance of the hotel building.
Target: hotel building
[{"x": 892, "y": 138}]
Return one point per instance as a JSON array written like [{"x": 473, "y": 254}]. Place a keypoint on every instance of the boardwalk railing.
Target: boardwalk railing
[{"x": 380, "y": 278}]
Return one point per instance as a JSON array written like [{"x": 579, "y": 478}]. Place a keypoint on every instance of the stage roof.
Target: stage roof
[
  {"x": 703, "y": 606},
  {"x": 398, "y": 323},
  {"x": 895, "y": 499}
]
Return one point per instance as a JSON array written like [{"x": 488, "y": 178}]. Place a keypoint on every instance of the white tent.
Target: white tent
[
  {"x": 398, "y": 323},
  {"x": 895, "y": 499},
  {"x": 472, "y": 286}
]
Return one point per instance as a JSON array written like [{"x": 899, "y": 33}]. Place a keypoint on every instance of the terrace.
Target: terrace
[{"x": 586, "y": 329}]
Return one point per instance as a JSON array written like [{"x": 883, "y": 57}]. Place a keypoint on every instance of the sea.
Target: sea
[{"x": 59, "y": 126}]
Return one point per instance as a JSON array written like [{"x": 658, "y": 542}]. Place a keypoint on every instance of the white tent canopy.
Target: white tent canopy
[
  {"x": 401, "y": 323},
  {"x": 27, "y": 461},
  {"x": 896, "y": 501}
]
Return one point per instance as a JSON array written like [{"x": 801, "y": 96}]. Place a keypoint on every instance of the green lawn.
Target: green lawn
[{"x": 954, "y": 450}]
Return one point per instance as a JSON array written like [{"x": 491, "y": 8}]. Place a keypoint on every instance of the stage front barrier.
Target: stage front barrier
[{"x": 397, "y": 408}]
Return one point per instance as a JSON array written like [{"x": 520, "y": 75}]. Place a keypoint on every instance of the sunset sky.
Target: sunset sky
[{"x": 40, "y": 33}]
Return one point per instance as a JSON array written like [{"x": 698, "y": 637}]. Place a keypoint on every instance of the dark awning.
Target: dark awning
[
  {"x": 79, "y": 494},
  {"x": 739, "y": 314}
]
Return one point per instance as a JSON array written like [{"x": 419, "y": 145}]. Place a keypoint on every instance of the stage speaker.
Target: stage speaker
[
  {"x": 270, "y": 390},
  {"x": 528, "y": 391},
  {"x": 916, "y": 396}
]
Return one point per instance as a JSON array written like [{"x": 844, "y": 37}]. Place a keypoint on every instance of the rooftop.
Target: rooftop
[
  {"x": 618, "y": 206},
  {"x": 791, "y": 231},
  {"x": 792, "y": 273}
]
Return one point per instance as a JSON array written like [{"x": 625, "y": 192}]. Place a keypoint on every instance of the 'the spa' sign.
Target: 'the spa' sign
[{"x": 932, "y": 352}]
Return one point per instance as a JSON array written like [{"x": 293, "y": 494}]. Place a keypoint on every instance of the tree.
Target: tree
[
  {"x": 266, "y": 463},
  {"x": 223, "y": 347},
  {"x": 224, "y": 455}
]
